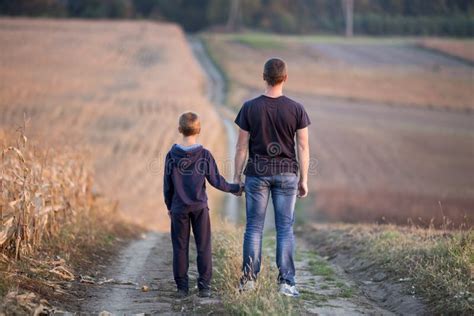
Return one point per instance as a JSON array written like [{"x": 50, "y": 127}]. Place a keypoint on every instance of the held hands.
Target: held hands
[
  {"x": 302, "y": 189},
  {"x": 240, "y": 191},
  {"x": 239, "y": 180}
]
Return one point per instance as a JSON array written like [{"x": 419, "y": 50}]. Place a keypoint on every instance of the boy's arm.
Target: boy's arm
[
  {"x": 168, "y": 187},
  {"x": 218, "y": 181}
]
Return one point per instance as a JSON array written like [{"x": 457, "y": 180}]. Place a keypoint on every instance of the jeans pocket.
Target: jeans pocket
[
  {"x": 289, "y": 181},
  {"x": 254, "y": 184}
]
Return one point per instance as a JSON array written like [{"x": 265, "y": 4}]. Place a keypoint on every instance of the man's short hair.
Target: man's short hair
[
  {"x": 189, "y": 124},
  {"x": 274, "y": 71}
]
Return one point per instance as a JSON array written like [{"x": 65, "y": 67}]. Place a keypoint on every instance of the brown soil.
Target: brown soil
[{"x": 145, "y": 262}]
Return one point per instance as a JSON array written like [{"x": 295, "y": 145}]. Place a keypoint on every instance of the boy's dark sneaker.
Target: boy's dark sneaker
[
  {"x": 204, "y": 293},
  {"x": 182, "y": 293}
]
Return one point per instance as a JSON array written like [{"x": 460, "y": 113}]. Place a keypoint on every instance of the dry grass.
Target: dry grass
[
  {"x": 265, "y": 300},
  {"x": 313, "y": 72},
  {"x": 463, "y": 49},
  {"x": 41, "y": 191},
  {"x": 51, "y": 222},
  {"x": 438, "y": 263},
  {"x": 114, "y": 87}
]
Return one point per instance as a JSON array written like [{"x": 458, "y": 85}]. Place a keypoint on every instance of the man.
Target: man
[{"x": 268, "y": 126}]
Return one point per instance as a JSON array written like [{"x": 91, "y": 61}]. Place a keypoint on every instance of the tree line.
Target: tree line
[{"x": 373, "y": 17}]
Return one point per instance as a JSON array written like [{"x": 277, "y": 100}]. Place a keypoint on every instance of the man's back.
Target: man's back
[{"x": 272, "y": 124}]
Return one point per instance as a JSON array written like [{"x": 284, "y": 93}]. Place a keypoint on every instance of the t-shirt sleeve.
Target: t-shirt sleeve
[
  {"x": 303, "y": 118},
  {"x": 242, "y": 119}
]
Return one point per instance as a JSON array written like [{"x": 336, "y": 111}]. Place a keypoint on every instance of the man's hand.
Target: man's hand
[{"x": 302, "y": 189}]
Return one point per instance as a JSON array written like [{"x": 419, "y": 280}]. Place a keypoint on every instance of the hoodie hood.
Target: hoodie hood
[{"x": 177, "y": 153}]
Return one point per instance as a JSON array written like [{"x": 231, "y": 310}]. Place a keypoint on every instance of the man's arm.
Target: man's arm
[
  {"x": 303, "y": 160},
  {"x": 241, "y": 149}
]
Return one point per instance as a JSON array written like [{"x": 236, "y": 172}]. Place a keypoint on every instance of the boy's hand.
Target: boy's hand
[{"x": 240, "y": 190}]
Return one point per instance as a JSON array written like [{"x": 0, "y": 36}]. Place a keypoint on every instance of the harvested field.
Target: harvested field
[
  {"x": 380, "y": 55},
  {"x": 462, "y": 49},
  {"x": 114, "y": 88},
  {"x": 377, "y": 158},
  {"x": 386, "y": 71},
  {"x": 391, "y": 163}
]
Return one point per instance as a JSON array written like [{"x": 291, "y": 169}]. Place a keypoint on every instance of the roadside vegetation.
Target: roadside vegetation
[
  {"x": 265, "y": 300},
  {"x": 322, "y": 288},
  {"x": 438, "y": 263},
  {"x": 53, "y": 227}
]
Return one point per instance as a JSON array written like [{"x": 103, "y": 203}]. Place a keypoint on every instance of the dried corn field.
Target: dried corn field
[
  {"x": 112, "y": 88},
  {"x": 41, "y": 191}
]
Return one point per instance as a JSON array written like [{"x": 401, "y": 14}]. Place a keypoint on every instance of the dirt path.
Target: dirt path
[{"x": 146, "y": 262}]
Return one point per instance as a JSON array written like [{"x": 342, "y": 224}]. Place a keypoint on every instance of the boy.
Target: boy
[{"x": 187, "y": 167}]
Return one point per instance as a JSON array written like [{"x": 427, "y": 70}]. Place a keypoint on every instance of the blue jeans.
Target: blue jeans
[{"x": 283, "y": 189}]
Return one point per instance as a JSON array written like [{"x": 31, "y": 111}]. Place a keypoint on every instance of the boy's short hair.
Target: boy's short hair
[
  {"x": 189, "y": 124},
  {"x": 274, "y": 71}
]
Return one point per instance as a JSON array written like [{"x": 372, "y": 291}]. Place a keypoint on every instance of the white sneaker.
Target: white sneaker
[
  {"x": 289, "y": 290},
  {"x": 247, "y": 286}
]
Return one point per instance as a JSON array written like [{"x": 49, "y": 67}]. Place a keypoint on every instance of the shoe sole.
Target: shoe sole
[{"x": 289, "y": 295}]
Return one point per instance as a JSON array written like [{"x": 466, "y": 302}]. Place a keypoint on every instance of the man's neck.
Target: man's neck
[
  {"x": 188, "y": 140},
  {"x": 274, "y": 91}
]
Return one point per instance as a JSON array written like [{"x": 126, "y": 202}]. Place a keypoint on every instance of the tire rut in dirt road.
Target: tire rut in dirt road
[{"x": 146, "y": 262}]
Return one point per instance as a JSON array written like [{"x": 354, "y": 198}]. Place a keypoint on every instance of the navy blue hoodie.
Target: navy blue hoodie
[{"x": 185, "y": 177}]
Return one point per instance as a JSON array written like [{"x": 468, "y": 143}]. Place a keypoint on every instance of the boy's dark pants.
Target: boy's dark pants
[{"x": 180, "y": 231}]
